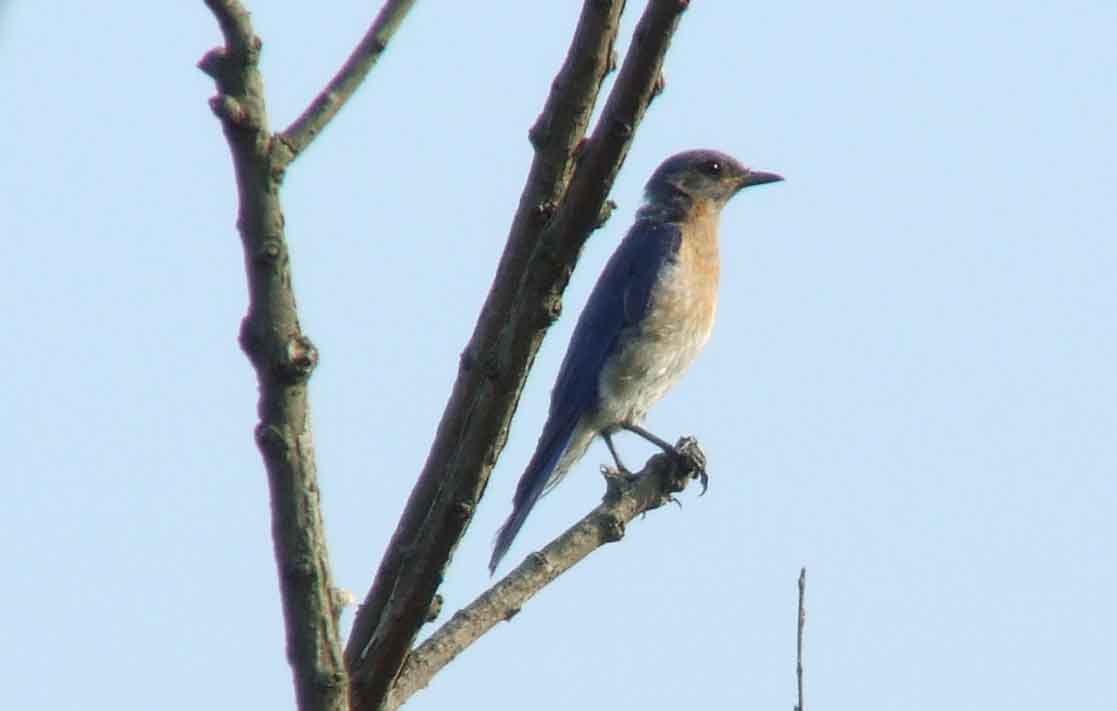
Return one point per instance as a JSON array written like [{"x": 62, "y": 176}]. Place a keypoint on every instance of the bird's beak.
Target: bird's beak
[{"x": 758, "y": 177}]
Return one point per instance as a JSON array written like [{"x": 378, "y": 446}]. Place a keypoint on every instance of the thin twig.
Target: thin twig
[
  {"x": 662, "y": 477},
  {"x": 345, "y": 83},
  {"x": 802, "y": 623}
]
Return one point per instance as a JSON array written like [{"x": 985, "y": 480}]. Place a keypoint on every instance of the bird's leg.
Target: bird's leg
[
  {"x": 671, "y": 450},
  {"x": 608, "y": 437},
  {"x": 662, "y": 444}
]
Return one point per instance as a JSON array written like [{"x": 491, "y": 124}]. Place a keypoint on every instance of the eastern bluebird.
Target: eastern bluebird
[{"x": 648, "y": 316}]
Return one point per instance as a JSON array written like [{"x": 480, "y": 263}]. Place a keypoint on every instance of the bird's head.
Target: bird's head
[{"x": 701, "y": 179}]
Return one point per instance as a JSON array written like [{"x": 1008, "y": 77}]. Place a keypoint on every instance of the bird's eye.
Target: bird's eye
[{"x": 712, "y": 167}]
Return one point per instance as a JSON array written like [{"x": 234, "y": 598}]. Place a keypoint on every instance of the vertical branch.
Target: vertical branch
[
  {"x": 802, "y": 623},
  {"x": 271, "y": 337}
]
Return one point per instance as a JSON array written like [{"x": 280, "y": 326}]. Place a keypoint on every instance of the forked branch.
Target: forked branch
[
  {"x": 281, "y": 354},
  {"x": 523, "y": 301}
]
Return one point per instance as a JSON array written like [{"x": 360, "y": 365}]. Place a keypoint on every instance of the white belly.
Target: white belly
[{"x": 657, "y": 353}]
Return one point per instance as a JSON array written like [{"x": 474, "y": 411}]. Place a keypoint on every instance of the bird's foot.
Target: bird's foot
[
  {"x": 688, "y": 457},
  {"x": 617, "y": 480},
  {"x": 619, "y": 473},
  {"x": 692, "y": 460}
]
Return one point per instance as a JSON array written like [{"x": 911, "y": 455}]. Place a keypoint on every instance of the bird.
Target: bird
[{"x": 648, "y": 316}]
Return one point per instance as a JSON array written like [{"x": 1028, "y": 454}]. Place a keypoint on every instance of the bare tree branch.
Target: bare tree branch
[
  {"x": 555, "y": 135},
  {"x": 624, "y": 500},
  {"x": 325, "y": 106},
  {"x": 524, "y": 300},
  {"x": 801, "y": 626},
  {"x": 639, "y": 81},
  {"x": 561, "y": 204},
  {"x": 281, "y": 354}
]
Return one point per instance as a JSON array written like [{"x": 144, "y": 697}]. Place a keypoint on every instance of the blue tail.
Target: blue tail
[{"x": 534, "y": 480}]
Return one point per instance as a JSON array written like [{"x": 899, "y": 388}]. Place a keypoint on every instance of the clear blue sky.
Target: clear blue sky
[{"x": 911, "y": 388}]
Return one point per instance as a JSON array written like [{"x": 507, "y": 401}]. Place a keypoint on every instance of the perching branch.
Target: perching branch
[
  {"x": 281, "y": 354},
  {"x": 524, "y": 300},
  {"x": 624, "y": 500}
]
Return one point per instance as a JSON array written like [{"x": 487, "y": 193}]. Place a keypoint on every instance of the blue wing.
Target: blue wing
[{"x": 619, "y": 300}]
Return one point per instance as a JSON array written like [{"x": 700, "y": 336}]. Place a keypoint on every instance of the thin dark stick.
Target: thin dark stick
[{"x": 799, "y": 639}]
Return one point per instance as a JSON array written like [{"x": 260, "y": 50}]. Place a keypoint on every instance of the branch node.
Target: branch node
[
  {"x": 229, "y": 110},
  {"x": 342, "y": 598},
  {"x": 552, "y": 307},
  {"x": 544, "y": 211},
  {"x": 463, "y": 510},
  {"x": 435, "y": 609},
  {"x": 213, "y": 62},
  {"x": 270, "y": 439},
  {"x": 617, "y": 484},
  {"x": 467, "y": 361},
  {"x": 268, "y": 254},
  {"x": 540, "y": 564},
  {"x": 539, "y": 132},
  {"x": 280, "y": 154},
  {"x": 612, "y": 528},
  {"x": 249, "y": 339},
  {"x": 300, "y": 357},
  {"x": 607, "y": 209}
]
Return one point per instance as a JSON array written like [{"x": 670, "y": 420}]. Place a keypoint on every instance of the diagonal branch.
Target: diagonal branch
[
  {"x": 524, "y": 300},
  {"x": 638, "y": 82},
  {"x": 624, "y": 500},
  {"x": 344, "y": 84},
  {"x": 471, "y": 433}
]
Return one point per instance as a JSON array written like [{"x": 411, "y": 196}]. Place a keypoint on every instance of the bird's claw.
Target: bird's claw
[
  {"x": 703, "y": 479},
  {"x": 617, "y": 480},
  {"x": 693, "y": 460},
  {"x": 619, "y": 473}
]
